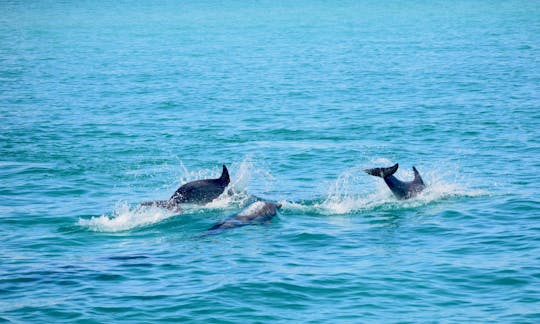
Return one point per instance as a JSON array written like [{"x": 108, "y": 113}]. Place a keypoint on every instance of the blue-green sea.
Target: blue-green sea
[{"x": 108, "y": 104}]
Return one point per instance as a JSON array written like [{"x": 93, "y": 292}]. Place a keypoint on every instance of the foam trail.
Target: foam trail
[{"x": 125, "y": 218}]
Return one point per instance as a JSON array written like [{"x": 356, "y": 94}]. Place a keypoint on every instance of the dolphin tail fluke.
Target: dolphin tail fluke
[
  {"x": 225, "y": 175},
  {"x": 382, "y": 172}
]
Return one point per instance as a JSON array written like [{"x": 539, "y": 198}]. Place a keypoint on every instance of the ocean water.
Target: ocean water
[{"x": 104, "y": 105}]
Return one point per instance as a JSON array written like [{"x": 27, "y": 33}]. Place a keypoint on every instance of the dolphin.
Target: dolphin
[
  {"x": 400, "y": 189},
  {"x": 195, "y": 192},
  {"x": 260, "y": 212}
]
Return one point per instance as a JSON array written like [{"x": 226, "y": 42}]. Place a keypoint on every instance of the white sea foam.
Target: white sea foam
[
  {"x": 236, "y": 194},
  {"x": 125, "y": 218}
]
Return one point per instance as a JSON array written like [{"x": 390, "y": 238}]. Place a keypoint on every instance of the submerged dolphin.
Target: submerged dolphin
[
  {"x": 260, "y": 212},
  {"x": 195, "y": 192},
  {"x": 400, "y": 189}
]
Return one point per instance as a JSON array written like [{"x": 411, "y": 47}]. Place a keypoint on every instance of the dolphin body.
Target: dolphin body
[
  {"x": 260, "y": 212},
  {"x": 196, "y": 192},
  {"x": 401, "y": 189}
]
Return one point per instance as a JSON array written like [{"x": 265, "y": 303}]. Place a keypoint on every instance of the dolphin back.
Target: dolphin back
[
  {"x": 400, "y": 189},
  {"x": 202, "y": 191},
  {"x": 259, "y": 212}
]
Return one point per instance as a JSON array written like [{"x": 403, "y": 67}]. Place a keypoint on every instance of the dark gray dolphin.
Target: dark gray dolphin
[
  {"x": 195, "y": 192},
  {"x": 202, "y": 191},
  {"x": 400, "y": 189},
  {"x": 260, "y": 212}
]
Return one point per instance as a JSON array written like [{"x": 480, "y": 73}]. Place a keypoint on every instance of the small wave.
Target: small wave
[{"x": 125, "y": 218}]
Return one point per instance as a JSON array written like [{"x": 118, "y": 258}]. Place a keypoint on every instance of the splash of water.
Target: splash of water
[
  {"x": 344, "y": 196},
  {"x": 237, "y": 192},
  {"x": 125, "y": 217}
]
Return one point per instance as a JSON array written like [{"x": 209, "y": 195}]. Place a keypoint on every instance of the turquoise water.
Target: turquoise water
[{"x": 106, "y": 105}]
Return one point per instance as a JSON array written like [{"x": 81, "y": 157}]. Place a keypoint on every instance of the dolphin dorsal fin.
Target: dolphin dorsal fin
[
  {"x": 417, "y": 177},
  {"x": 225, "y": 176}
]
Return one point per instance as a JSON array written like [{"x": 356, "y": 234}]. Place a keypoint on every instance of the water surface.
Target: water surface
[{"x": 106, "y": 105}]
